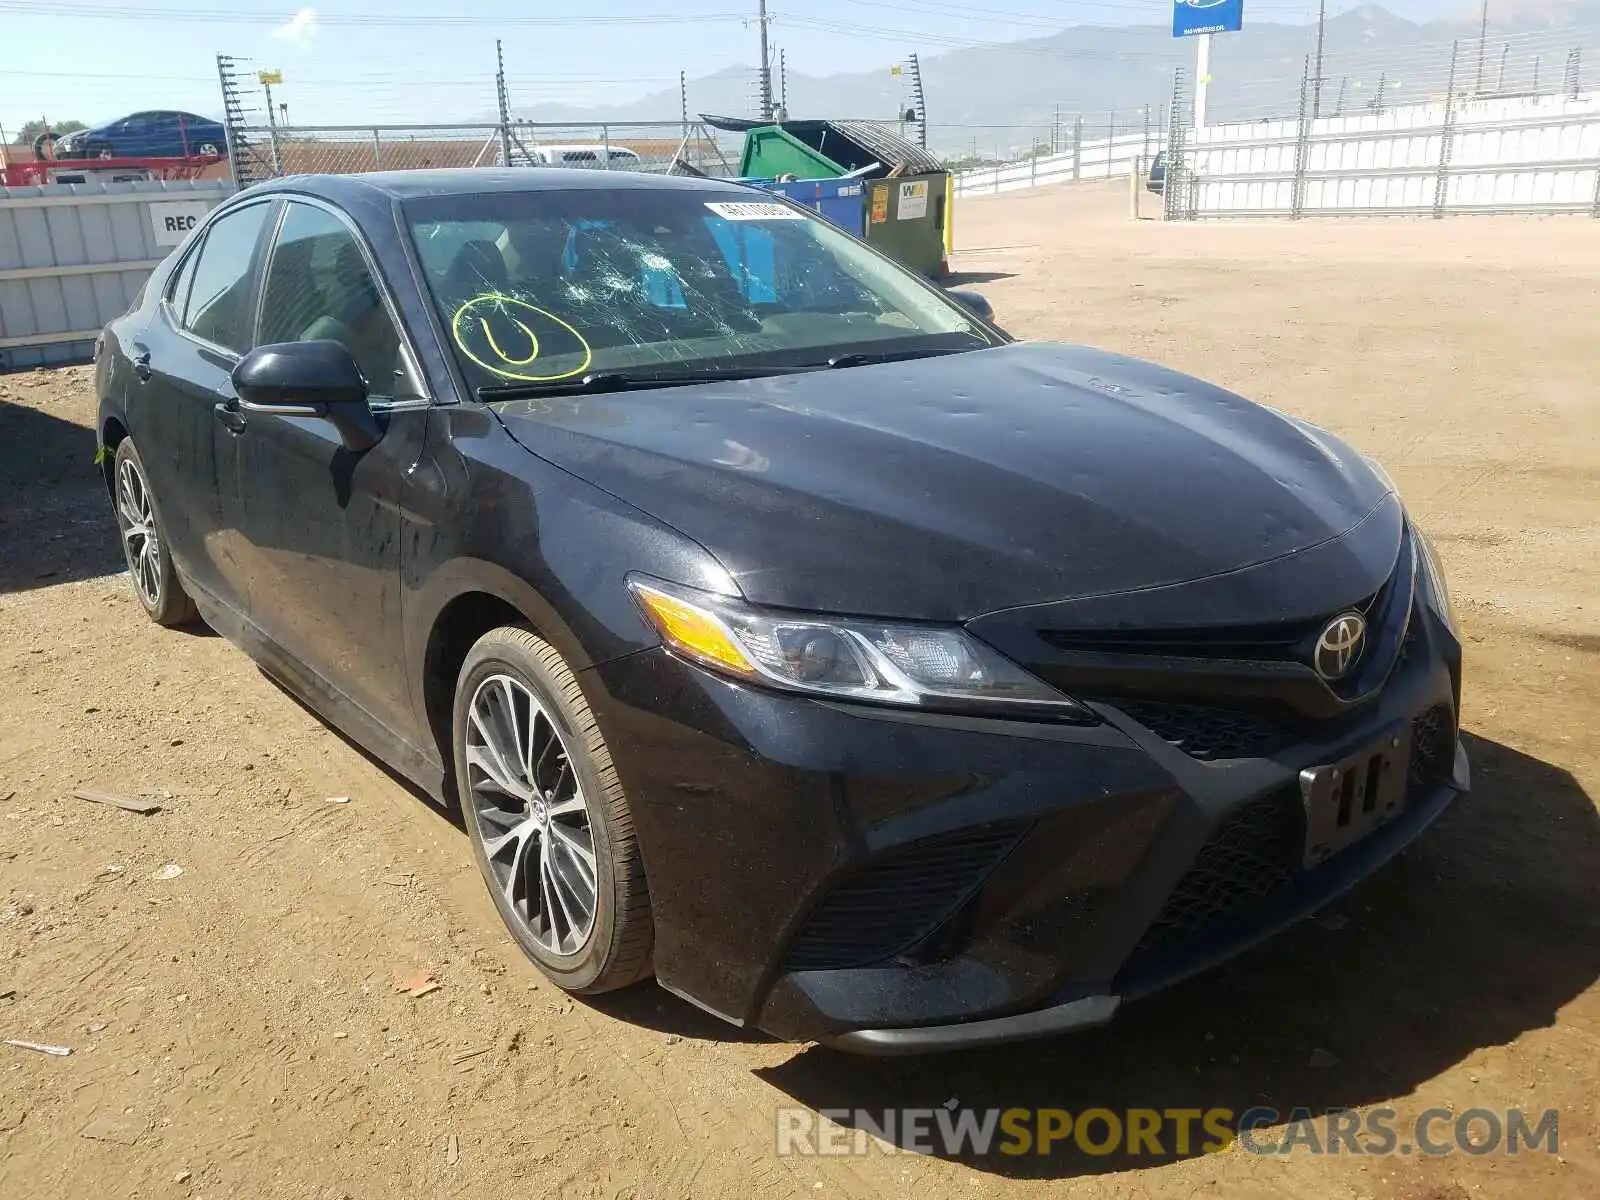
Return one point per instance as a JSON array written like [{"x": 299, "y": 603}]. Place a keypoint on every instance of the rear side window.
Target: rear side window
[
  {"x": 178, "y": 292},
  {"x": 219, "y": 307}
]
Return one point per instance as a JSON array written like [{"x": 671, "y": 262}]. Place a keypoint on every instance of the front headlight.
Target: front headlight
[
  {"x": 921, "y": 666},
  {"x": 1433, "y": 580}
]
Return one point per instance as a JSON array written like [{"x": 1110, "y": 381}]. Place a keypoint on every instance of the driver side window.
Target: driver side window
[{"x": 319, "y": 286}]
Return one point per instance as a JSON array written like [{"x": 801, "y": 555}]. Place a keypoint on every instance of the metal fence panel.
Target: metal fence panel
[
  {"x": 1094, "y": 158},
  {"x": 1523, "y": 154},
  {"x": 74, "y": 256}
]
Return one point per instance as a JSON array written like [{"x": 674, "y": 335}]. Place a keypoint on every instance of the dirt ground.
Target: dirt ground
[{"x": 236, "y": 1030}]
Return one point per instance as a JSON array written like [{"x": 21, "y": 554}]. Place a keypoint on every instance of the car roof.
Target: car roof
[{"x": 477, "y": 181}]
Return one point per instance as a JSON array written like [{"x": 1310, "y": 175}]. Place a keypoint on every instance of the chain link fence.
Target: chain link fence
[{"x": 271, "y": 151}]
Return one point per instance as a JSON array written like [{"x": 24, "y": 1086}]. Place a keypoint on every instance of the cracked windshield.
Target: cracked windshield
[{"x": 547, "y": 287}]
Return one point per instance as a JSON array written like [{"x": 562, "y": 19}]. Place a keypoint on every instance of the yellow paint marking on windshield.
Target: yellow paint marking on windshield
[
  {"x": 491, "y": 304},
  {"x": 533, "y": 341}
]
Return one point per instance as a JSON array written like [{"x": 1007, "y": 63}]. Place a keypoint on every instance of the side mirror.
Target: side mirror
[
  {"x": 309, "y": 379},
  {"x": 974, "y": 302}
]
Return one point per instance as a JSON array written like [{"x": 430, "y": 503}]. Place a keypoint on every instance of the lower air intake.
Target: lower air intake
[
  {"x": 1433, "y": 751},
  {"x": 1254, "y": 852},
  {"x": 895, "y": 900}
]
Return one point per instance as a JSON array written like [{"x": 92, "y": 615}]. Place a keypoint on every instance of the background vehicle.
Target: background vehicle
[
  {"x": 1156, "y": 179},
  {"x": 162, "y": 133},
  {"x": 584, "y": 155}
]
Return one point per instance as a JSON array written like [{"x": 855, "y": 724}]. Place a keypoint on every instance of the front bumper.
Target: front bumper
[{"x": 892, "y": 882}]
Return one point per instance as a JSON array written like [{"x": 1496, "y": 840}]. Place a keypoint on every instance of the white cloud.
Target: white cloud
[{"x": 302, "y": 25}]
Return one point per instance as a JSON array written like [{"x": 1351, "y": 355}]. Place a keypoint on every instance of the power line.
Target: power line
[{"x": 120, "y": 12}]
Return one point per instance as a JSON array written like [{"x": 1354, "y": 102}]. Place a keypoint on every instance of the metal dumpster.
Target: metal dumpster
[{"x": 904, "y": 192}]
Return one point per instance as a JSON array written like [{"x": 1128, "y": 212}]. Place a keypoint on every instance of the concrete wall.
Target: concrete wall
[{"x": 74, "y": 256}]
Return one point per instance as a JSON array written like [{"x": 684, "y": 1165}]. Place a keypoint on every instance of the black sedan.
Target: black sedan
[{"x": 781, "y": 627}]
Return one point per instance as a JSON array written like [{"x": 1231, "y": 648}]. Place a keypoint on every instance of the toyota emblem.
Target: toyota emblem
[{"x": 1339, "y": 646}]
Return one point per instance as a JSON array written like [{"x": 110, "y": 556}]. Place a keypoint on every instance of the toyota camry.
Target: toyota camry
[{"x": 782, "y": 628}]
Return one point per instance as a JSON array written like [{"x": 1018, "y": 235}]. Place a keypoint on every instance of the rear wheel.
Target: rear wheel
[
  {"x": 549, "y": 824},
  {"x": 155, "y": 579}
]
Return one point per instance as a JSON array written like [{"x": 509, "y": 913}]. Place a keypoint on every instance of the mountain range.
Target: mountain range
[{"x": 999, "y": 96}]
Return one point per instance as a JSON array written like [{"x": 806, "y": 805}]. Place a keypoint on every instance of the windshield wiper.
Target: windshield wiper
[
  {"x": 621, "y": 381},
  {"x": 867, "y": 359}
]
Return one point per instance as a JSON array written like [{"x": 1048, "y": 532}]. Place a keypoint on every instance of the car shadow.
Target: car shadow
[
  {"x": 56, "y": 524},
  {"x": 1478, "y": 933},
  {"x": 962, "y": 278},
  {"x": 650, "y": 1005}
]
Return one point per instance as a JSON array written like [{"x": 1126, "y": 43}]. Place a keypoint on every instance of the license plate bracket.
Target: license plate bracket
[{"x": 1348, "y": 799}]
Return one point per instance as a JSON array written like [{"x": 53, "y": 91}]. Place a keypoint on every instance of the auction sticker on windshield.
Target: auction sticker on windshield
[{"x": 753, "y": 211}]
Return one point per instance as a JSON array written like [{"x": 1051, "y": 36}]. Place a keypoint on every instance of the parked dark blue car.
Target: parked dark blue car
[{"x": 161, "y": 134}]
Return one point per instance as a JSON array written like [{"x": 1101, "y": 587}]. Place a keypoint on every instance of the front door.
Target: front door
[
  {"x": 183, "y": 361},
  {"x": 321, "y": 525}
]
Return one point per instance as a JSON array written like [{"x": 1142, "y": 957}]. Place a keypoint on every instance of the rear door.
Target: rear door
[
  {"x": 183, "y": 361},
  {"x": 321, "y": 526}
]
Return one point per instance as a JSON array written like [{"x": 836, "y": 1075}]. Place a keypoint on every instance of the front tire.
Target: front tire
[
  {"x": 550, "y": 827},
  {"x": 155, "y": 579}
]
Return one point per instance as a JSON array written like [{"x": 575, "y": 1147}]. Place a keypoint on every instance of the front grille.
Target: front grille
[
  {"x": 1208, "y": 733},
  {"x": 1254, "y": 852},
  {"x": 1252, "y": 643},
  {"x": 1433, "y": 751},
  {"x": 898, "y": 898},
  {"x": 1274, "y": 641}
]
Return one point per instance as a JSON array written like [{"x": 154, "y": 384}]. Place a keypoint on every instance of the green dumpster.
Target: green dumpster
[{"x": 907, "y": 187}]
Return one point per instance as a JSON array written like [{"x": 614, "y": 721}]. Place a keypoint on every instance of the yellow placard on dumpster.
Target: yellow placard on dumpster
[{"x": 879, "y": 212}]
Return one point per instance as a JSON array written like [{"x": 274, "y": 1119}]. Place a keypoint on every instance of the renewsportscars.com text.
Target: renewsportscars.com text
[{"x": 1163, "y": 1132}]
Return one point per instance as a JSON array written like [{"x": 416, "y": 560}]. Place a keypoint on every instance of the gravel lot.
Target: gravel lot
[{"x": 236, "y": 1028}]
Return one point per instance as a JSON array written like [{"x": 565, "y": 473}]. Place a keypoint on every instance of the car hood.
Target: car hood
[{"x": 947, "y": 487}]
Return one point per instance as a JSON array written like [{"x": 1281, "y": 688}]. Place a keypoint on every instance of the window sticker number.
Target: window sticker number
[{"x": 755, "y": 211}]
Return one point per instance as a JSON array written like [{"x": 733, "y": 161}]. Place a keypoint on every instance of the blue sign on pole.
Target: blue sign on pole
[{"x": 1191, "y": 17}]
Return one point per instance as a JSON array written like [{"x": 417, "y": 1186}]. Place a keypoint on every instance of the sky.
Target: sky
[{"x": 355, "y": 61}]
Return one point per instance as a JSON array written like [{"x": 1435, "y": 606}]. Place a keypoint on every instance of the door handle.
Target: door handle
[
  {"x": 229, "y": 416},
  {"x": 141, "y": 364}
]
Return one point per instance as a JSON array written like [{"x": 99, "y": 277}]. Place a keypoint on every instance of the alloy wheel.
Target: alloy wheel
[
  {"x": 529, "y": 812},
  {"x": 141, "y": 540}
]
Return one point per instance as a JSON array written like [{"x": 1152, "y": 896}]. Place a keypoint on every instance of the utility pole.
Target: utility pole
[
  {"x": 504, "y": 102},
  {"x": 267, "y": 79},
  {"x": 1504, "y": 52},
  {"x": 1338, "y": 104},
  {"x": 920, "y": 99},
  {"x": 239, "y": 157},
  {"x": 766, "y": 64},
  {"x": 1483, "y": 41},
  {"x": 1316, "y": 83},
  {"x": 783, "y": 81},
  {"x": 683, "y": 101}
]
